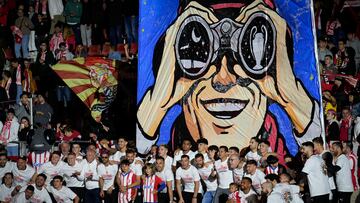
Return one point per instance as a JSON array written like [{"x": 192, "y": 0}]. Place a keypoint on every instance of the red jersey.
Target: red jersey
[
  {"x": 127, "y": 179},
  {"x": 234, "y": 196},
  {"x": 149, "y": 185},
  {"x": 353, "y": 163}
]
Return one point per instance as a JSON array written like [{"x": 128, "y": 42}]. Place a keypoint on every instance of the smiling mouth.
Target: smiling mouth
[{"x": 224, "y": 108}]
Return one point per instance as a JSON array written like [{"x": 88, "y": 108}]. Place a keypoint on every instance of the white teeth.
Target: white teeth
[{"x": 221, "y": 107}]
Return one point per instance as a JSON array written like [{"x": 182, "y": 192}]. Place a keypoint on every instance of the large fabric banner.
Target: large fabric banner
[
  {"x": 227, "y": 71},
  {"x": 92, "y": 79}
]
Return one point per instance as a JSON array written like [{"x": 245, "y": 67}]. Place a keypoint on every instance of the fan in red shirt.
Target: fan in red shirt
[
  {"x": 126, "y": 180},
  {"x": 66, "y": 133},
  {"x": 151, "y": 184}
]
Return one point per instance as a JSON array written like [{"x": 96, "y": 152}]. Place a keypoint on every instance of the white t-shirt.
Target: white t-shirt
[
  {"x": 117, "y": 156},
  {"x": 177, "y": 156},
  {"x": 275, "y": 197},
  {"x": 5, "y": 193},
  {"x": 51, "y": 170},
  {"x": 205, "y": 173},
  {"x": 135, "y": 168},
  {"x": 7, "y": 168},
  {"x": 72, "y": 181},
  {"x": 166, "y": 175},
  {"x": 64, "y": 195},
  {"x": 39, "y": 196},
  {"x": 108, "y": 173},
  {"x": 343, "y": 177},
  {"x": 188, "y": 177},
  {"x": 290, "y": 191},
  {"x": 257, "y": 178},
  {"x": 22, "y": 177},
  {"x": 88, "y": 170},
  {"x": 225, "y": 175},
  {"x": 168, "y": 162},
  {"x": 318, "y": 180},
  {"x": 20, "y": 198},
  {"x": 238, "y": 174},
  {"x": 253, "y": 156},
  {"x": 243, "y": 196}
]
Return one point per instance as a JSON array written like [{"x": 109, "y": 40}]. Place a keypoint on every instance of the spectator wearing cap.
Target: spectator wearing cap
[
  {"x": 322, "y": 49},
  {"x": 273, "y": 166}
]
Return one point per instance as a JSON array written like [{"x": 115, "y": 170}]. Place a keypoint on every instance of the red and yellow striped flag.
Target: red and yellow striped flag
[{"x": 92, "y": 79}]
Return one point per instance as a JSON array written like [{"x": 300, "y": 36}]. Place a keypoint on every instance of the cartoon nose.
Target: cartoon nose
[{"x": 223, "y": 79}]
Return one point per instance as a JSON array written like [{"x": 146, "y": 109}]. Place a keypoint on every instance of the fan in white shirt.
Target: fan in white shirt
[
  {"x": 257, "y": 177},
  {"x": 202, "y": 146},
  {"x": 72, "y": 171},
  {"x": 167, "y": 175},
  {"x": 89, "y": 171},
  {"x": 189, "y": 176},
  {"x": 245, "y": 189},
  {"x": 121, "y": 153},
  {"x": 163, "y": 150},
  {"x": 343, "y": 176},
  {"x": 253, "y": 154},
  {"x": 52, "y": 168},
  {"x": 135, "y": 163},
  {"x": 273, "y": 196},
  {"x": 314, "y": 169},
  {"x": 185, "y": 150},
  {"x": 24, "y": 197},
  {"x": 236, "y": 164},
  {"x": 6, "y": 166},
  {"x": 107, "y": 173},
  {"x": 62, "y": 193},
  {"x": 40, "y": 192},
  {"x": 224, "y": 174},
  {"x": 23, "y": 173},
  {"x": 208, "y": 175},
  {"x": 7, "y": 188},
  {"x": 76, "y": 149}
]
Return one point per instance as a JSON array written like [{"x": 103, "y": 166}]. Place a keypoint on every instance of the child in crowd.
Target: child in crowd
[
  {"x": 126, "y": 180},
  {"x": 151, "y": 184},
  {"x": 234, "y": 193}
]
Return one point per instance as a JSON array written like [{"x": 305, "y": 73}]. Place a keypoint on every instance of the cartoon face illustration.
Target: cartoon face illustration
[{"x": 225, "y": 72}]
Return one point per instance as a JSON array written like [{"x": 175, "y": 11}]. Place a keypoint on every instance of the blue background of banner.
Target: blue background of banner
[{"x": 156, "y": 16}]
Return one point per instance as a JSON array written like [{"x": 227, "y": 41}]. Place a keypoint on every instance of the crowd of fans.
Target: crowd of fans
[{"x": 43, "y": 158}]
